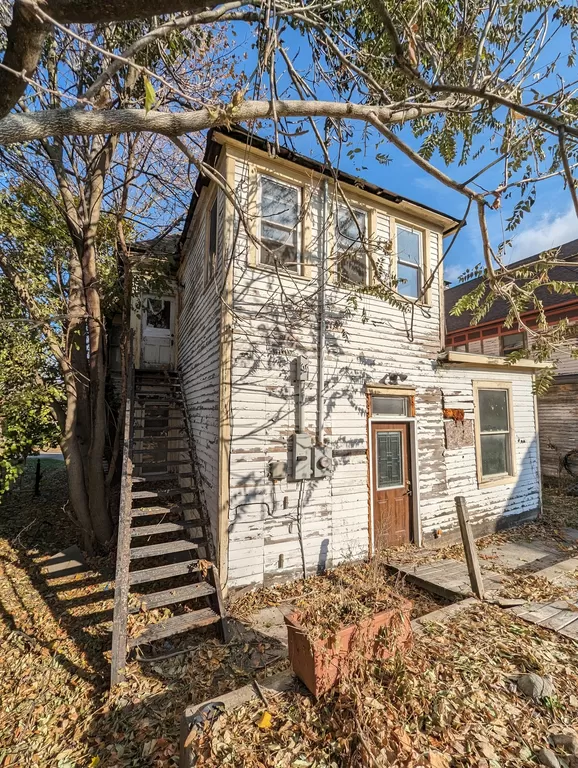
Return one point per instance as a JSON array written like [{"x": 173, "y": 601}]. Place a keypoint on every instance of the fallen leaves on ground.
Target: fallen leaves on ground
[
  {"x": 351, "y": 587},
  {"x": 55, "y": 638},
  {"x": 450, "y": 701}
]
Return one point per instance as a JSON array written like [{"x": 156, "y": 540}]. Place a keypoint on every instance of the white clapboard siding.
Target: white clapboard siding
[
  {"x": 199, "y": 351},
  {"x": 275, "y": 320}
]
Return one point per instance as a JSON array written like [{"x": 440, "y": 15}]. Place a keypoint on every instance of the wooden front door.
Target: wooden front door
[
  {"x": 391, "y": 485},
  {"x": 158, "y": 332}
]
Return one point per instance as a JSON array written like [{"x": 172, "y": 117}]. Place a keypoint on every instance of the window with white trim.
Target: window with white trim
[
  {"x": 494, "y": 424},
  {"x": 351, "y": 246},
  {"x": 279, "y": 224},
  {"x": 409, "y": 246}
]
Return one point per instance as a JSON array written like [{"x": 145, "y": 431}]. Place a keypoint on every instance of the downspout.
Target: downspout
[{"x": 321, "y": 279}]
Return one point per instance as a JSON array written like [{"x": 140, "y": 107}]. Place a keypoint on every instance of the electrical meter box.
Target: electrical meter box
[
  {"x": 322, "y": 461},
  {"x": 301, "y": 456}
]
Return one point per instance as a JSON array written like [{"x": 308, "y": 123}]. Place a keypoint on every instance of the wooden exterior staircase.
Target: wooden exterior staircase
[{"x": 165, "y": 554}]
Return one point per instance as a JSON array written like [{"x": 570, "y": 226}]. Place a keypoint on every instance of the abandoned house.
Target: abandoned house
[
  {"x": 558, "y": 407},
  {"x": 307, "y": 324}
]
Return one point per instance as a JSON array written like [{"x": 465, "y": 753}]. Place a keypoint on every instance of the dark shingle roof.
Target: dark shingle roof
[{"x": 499, "y": 309}]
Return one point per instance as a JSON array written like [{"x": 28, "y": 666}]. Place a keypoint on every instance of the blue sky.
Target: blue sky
[{"x": 551, "y": 222}]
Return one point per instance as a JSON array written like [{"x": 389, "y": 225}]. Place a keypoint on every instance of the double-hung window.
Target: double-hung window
[
  {"x": 495, "y": 432},
  {"x": 280, "y": 227},
  {"x": 409, "y": 261},
  {"x": 351, "y": 246}
]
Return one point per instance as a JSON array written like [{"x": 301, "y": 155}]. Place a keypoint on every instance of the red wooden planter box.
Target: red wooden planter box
[{"x": 319, "y": 663}]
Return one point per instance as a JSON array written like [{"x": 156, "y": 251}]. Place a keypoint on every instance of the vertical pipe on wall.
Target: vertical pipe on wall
[{"x": 321, "y": 282}]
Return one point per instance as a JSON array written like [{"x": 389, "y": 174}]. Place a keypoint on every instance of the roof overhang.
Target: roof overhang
[
  {"x": 261, "y": 147},
  {"x": 469, "y": 359}
]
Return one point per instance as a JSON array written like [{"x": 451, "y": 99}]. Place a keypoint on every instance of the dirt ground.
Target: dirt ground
[{"x": 55, "y": 640}]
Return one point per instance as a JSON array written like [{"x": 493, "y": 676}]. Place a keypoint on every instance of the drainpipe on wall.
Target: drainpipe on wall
[{"x": 321, "y": 278}]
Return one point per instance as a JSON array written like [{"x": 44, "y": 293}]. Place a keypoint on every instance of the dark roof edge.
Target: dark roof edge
[{"x": 240, "y": 134}]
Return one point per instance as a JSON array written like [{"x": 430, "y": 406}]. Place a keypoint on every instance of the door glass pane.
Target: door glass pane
[
  {"x": 494, "y": 454},
  {"x": 409, "y": 282},
  {"x": 389, "y": 406},
  {"x": 493, "y": 410},
  {"x": 389, "y": 459},
  {"x": 158, "y": 313}
]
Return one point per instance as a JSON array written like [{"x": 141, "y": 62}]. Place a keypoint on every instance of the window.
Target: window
[
  {"x": 389, "y": 405},
  {"x": 513, "y": 342},
  {"x": 494, "y": 424},
  {"x": 350, "y": 248},
  {"x": 389, "y": 460},
  {"x": 158, "y": 313},
  {"x": 212, "y": 226},
  {"x": 409, "y": 261},
  {"x": 279, "y": 224}
]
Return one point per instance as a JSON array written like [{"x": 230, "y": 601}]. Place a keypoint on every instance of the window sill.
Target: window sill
[
  {"x": 288, "y": 274},
  {"x": 489, "y": 482}
]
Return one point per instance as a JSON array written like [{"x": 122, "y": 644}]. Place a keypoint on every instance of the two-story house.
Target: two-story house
[
  {"x": 558, "y": 407},
  {"x": 328, "y": 420}
]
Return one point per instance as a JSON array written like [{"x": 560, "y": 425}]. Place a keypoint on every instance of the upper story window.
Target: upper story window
[
  {"x": 409, "y": 261},
  {"x": 513, "y": 342},
  {"x": 494, "y": 422},
  {"x": 212, "y": 237},
  {"x": 350, "y": 246},
  {"x": 280, "y": 228}
]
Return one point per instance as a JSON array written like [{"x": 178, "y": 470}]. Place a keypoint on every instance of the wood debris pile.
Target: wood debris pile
[{"x": 451, "y": 701}]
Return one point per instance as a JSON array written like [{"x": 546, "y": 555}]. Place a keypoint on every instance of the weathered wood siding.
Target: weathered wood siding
[
  {"x": 274, "y": 321},
  {"x": 199, "y": 331},
  {"x": 558, "y": 422}
]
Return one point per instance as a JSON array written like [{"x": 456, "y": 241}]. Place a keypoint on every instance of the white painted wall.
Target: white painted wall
[
  {"x": 199, "y": 331},
  {"x": 363, "y": 344}
]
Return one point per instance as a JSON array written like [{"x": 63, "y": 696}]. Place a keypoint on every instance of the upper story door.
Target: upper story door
[{"x": 158, "y": 332}]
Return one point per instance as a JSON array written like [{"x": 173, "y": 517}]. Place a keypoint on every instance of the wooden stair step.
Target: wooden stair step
[
  {"x": 155, "y": 430},
  {"x": 152, "y": 477},
  {"x": 168, "y": 463},
  {"x": 158, "y": 510},
  {"x": 151, "y": 530},
  {"x": 175, "y": 595},
  {"x": 163, "y": 572},
  {"x": 174, "y": 626},
  {"x": 156, "y": 550},
  {"x": 147, "y": 511},
  {"x": 159, "y": 439},
  {"x": 158, "y": 494}
]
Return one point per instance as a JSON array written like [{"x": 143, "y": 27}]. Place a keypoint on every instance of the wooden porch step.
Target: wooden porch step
[
  {"x": 175, "y": 595},
  {"x": 163, "y": 572},
  {"x": 174, "y": 626},
  {"x": 158, "y": 439},
  {"x": 153, "y": 476},
  {"x": 151, "y": 530},
  {"x": 156, "y": 550}
]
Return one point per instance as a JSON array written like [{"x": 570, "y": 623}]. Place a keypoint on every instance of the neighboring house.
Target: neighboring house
[
  {"x": 558, "y": 407},
  {"x": 329, "y": 422}
]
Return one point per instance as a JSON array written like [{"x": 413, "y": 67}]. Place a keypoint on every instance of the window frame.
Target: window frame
[
  {"x": 299, "y": 229},
  {"x": 421, "y": 267},
  {"x": 336, "y": 254},
  {"x": 512, "y": 473},
  {"x": 503, "y": 336},
  {"x": 208, "y": 272}
]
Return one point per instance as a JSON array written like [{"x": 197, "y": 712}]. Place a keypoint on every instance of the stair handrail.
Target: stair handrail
[{"x": 121, "y": 584}]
